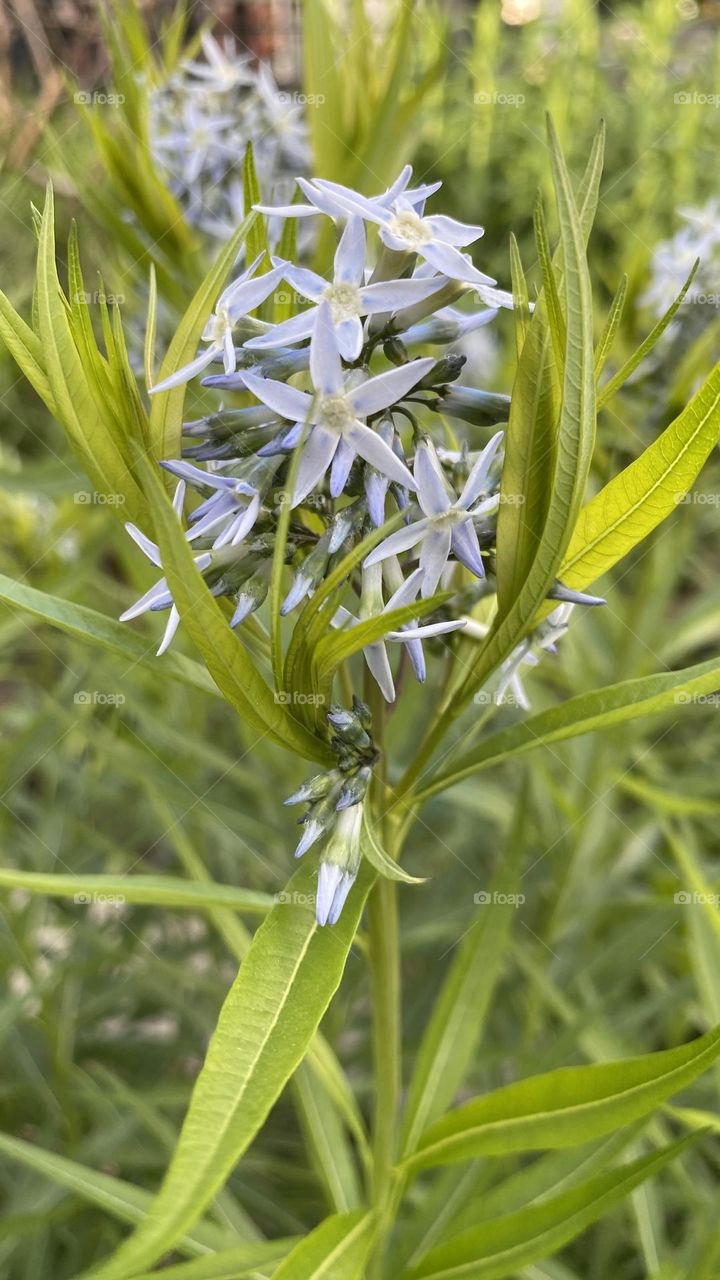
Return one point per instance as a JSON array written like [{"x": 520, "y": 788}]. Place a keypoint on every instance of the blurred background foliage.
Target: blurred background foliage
[{"x": 106, "y": 1007}]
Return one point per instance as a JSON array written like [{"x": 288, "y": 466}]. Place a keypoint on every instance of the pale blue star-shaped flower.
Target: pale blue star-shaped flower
[
  {"x": 447, "y": 524},
  {"x": 159, "y": 597},
  {"x": 334, "y": 412},
  {"x": 435, "y": 238},
  {"x": 323, "y": 197},
  {"x": 240, "y": 297},
  {"x": 348, "y": 296},
  {"x": 410, "y": 634}
]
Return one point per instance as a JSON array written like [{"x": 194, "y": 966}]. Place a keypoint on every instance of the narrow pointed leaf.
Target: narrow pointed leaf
[
  {"x": 265, "y": 1026},
  {"x": 166, "y": 414},
  {"x": 638, "y": 499},
  {"x": 96, "y": 628},
  {"x": 336, "y": 1250},
  {"x": 167, "y": 891},
  {"x": 228, "y": 661},
  {"x": 601, "y": 709},
  {"x": 564, "y": 1108},
  {"x": 503, "y": 1247}
]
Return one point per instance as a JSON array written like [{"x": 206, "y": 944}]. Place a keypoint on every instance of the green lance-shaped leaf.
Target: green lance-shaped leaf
[
  {"x": 96, "y": 628},
  {"x": 532, "y": 434},
  {"x": 607, "y": 392},
  {"x": 521, "y": 308},
  {"x": 564, "y": 1108},
  {"x": 607, "y": 337},
  {"x": 257, "y": 241},
  {"x": 244, "y": 1262},
  {"x": 326, "y": 1141},
  {"x": 120, "y": 1199},
  {"x": 166, "y": 414},
  {"x": 376, "y": 855},
  {"x": 26, "y": 350},
  {"x": 166, "y": 891},
  {"x": 228, "y": 661},
  {"x": 600, "y": 709},
  {"x": 503, "y": 1247},
  {"x": 458, "y": 1016},
  {"x": 102, "y": 453},
  {"x": 638, "y": 499},
  {"x": 572, "y": 452},
  {"x": 273, "y": 1009},
  {"x": 336, "y": 1250}
]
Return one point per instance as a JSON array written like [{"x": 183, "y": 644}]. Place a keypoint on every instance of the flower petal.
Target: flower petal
[
  {"x": 433, "y": 558},
  {"x": 287, "y": 401},
  {"x": 428, "y": 629},
  {"x": 187, "y": 371},
  {"x": 296, "y": 329},
  {"x": 432, "y": 492},
  {"x": 467, "y": 549},
  {"x": 475, "y": 483},
  {"x": 349, "y": 334},
  {"x": 393, "y": 295},
  {"x": 454, "y": 264},
  {"x": 306, "y": 282},
  {"x": 389, "y": 387},
  {"x": 350, "y": 253},
  {"x": 173, "y": 623},
  {"x": 318, "y": 452},
  {"x": 450, "y": 231},
  {"x": 158, "y": 592},
  {"x": 369, "y": 445},
  {"x": 376, "y": 658},
  {"x": 146, "y": 546},
  {"x": 246, "y": 295},
  {"x": 342, "y": 462},
  {"x": 325, "y": 366},
  {"x": 403, "y": 540}
]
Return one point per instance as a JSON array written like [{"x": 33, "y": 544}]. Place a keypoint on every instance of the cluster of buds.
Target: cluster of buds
[
  {"x": 335, "y": 807},
  {"x": 342, "y": 393},
  {"x": 201, "y": 121}
]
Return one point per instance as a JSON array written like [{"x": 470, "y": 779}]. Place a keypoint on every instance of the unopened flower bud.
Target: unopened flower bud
[
  {"x": 445, "y": 370},
  {"x": 339, "y": 865},
  {"x": 354, "y": 789},
  {"x": 481, "y": 408}
]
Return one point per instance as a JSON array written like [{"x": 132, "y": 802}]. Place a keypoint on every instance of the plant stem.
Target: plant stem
[{"x": 385, "y": 979}]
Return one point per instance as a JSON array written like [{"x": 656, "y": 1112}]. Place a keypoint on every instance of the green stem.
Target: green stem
[{"x": 385, "y": 980}]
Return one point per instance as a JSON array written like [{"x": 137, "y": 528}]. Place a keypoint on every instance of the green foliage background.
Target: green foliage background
[{"x": 107, "y": 1008}]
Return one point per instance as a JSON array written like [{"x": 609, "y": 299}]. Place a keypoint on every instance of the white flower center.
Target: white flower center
[
  {"x": 344, "y": 301},
  {"x": 455, "y": 515},
  {"x": 221, "y": 324},
  {"x": 410, "y": 227},
  {"x": 335, "y": 413}
]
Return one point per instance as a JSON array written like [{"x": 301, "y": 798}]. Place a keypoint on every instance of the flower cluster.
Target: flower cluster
[
  {"x": 673, "y": 259},
  {"x": 339, "y": 393},
  {"x": 335, "y": 807},
  {"x": 201, "y": 121}
]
